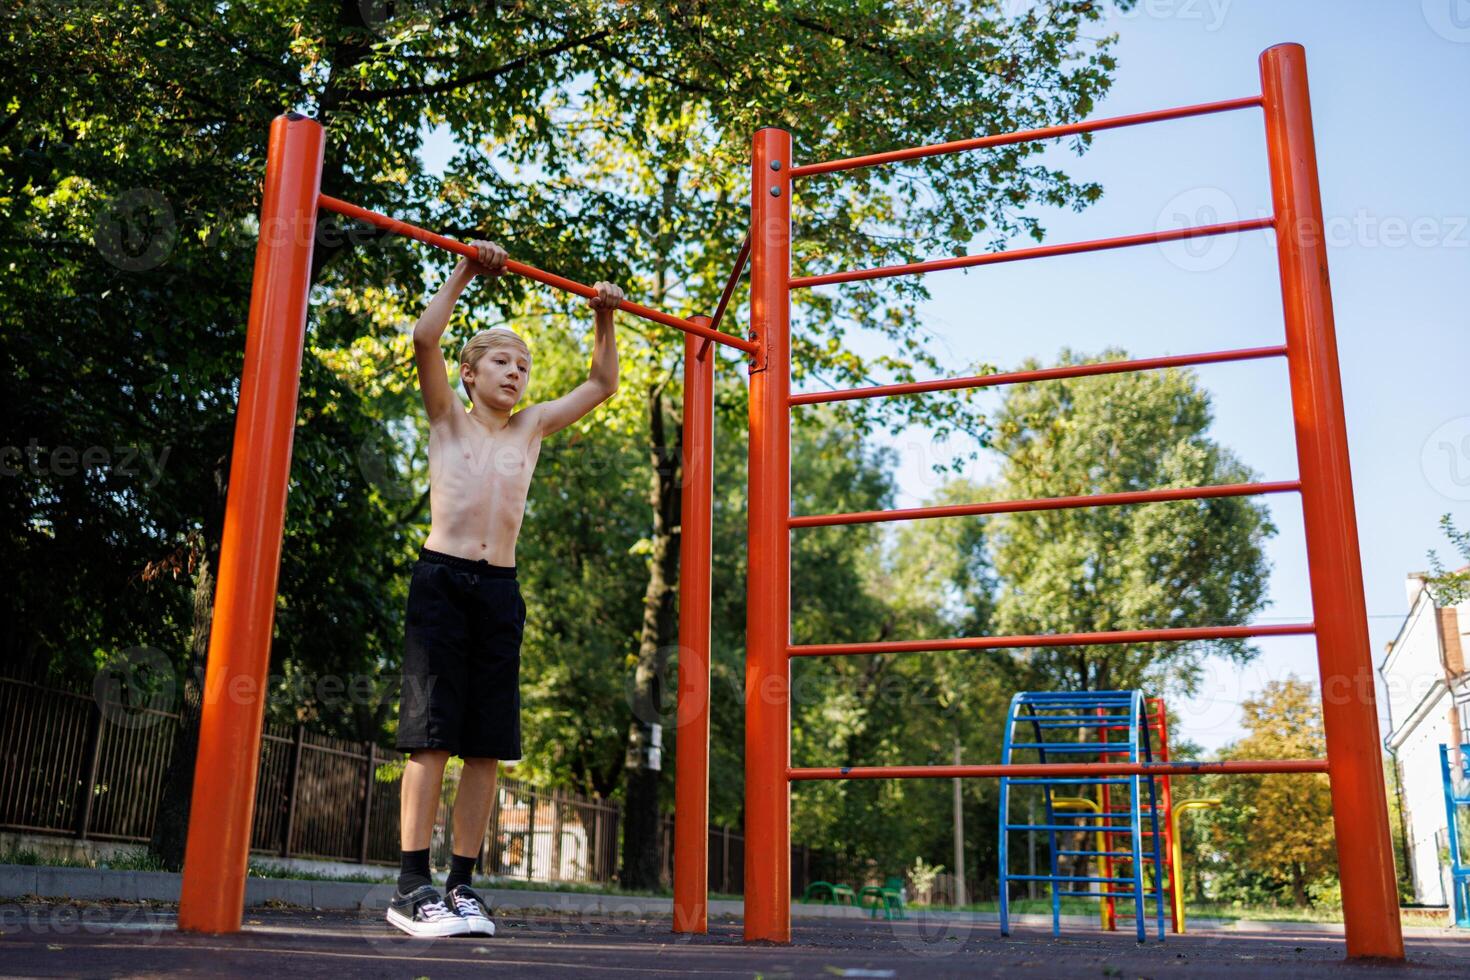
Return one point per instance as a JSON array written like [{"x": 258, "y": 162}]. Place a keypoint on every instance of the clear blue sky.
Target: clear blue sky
[
  {"x": 1393, "y": 138},
  {"x": 1389, "y": 81}
]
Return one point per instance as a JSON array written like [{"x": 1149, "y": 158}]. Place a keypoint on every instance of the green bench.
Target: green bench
[
  {"x": 886, "y": 898},
  {"x": 826, "y": 893}
]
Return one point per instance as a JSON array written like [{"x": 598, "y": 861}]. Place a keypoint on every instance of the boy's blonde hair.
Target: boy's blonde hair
[{"x": 484, "y": 342}]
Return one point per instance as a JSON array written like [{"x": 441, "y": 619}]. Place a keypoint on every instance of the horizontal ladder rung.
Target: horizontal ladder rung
[
  {"x": 1024, "y": 136},
  {"x": 1034, "y": 252},
  {"x": 1161, "y": 495},
  {"x": 1062, "y": 770},
  {"x": 1105, "y": 638},
  {"x": 1044, "y": 374},
  {"x": 1071, "y": 880},
  {"x": 1062, "y": 827}
]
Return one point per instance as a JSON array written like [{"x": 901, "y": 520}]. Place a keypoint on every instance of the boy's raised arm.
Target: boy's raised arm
[
  {"x": 602, "y": 379},
  {"x": 439, "y": 397}
]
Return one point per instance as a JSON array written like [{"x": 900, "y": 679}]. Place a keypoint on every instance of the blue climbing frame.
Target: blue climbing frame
[
  {"x": 1456, "y": 802},
  {"x": 1063, "y": 725}
]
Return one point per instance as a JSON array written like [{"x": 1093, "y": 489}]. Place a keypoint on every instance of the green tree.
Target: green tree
[
  {"x": 1187, "y": 563},
  {"x": 131, "y": 182},
  {"x": 921, "y": 580},
  {"x": 1450, "y": 587},
  {"x": 1275, "y": 831}
]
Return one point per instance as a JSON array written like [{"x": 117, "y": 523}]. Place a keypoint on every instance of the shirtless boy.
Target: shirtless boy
[{"x": 461, "y": 664}]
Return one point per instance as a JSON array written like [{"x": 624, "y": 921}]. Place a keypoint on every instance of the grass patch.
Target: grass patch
[{"x": 133, "y": 859}]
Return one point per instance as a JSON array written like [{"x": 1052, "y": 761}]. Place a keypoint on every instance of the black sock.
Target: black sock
[
  {"x": 413, "y": 871},
  {"x": 460, "y": 870}
]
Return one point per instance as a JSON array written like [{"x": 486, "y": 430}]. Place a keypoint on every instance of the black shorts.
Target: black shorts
[{"x": 462, "y": 659}]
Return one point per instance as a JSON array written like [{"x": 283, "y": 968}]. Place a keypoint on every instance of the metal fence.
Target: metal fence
[{"x": 78, "y": 765}]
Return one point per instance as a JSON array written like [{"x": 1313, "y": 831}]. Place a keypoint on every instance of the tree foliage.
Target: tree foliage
[
  {"x": 1273, "y": 833},
  {"x": 1163, "y": 565},
  {"x": 601, "y": 139},
  {"x": 1450, "y": 587}
]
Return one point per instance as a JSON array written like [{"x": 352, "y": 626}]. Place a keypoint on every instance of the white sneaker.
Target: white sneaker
[
  {"x": 472, "y": 908},
  {"x": 422, "y": 912}
]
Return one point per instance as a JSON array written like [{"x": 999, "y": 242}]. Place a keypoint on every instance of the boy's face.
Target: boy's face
[{"x": 499, "y": 378}]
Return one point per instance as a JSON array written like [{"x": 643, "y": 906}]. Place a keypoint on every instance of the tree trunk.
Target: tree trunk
[
  {"x": 1298, "y": 886},
  {"x": 642, "y": 836},
  {"x": 171, "y": 825}
]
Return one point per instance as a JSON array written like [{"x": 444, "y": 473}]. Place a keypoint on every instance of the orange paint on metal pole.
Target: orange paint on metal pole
[
  {"x": 691, "y": 761},
  {"x": 768, "y": 578},
  {"x": 213, "y": 896},
  {"x": 1349, "y": 715},
  {"x": 1158, "y": 723}
]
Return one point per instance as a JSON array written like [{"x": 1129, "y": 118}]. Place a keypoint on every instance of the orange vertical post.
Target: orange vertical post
[
  {"x": 213, "y": 896},
  {"x": 768, "y": 579},
  {"x": 1173, "y": 876},
  {"x": 691, "y": 761},
  {"x": 1350, "y": 718}
]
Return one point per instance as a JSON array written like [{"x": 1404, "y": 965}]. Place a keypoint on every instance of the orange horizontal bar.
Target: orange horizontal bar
[
  {"x": 1024, "y": 136},
  {"x": 528, "y": 271},
  {"x": 1038, "y": 252},
  {"x": 1044, "y": 374},
  {"x": 1104, "y": 638},
  {"x": 1064, "y": 770},
  {"x": 1047, "y": 503}
]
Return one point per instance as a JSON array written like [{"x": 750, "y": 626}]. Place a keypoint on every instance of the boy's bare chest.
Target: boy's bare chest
[{"x": 505, "y": 457}]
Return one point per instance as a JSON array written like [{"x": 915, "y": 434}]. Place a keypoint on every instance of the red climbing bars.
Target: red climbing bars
[
  {"x": 529, "y": 271},
  {"x": 1178, "y": 634},
  {"x": 1354, "y": 757},
  {"x": 1025, "y": 136},
  {"x": 225, "y": 766},
  {"x": 691, "y": 720},
  {"x": 1349, "y": 715},
  {"x": 1036, "y": 252},
  {"x": 768, "y": 568},
  {"x": 1063, "y": 770},
  {"x": 1042, "y": 374},
  {"x": 1047, "y": 503}
]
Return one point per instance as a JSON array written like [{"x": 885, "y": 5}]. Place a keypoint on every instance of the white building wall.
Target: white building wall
[
  {"x": 1423, "y": 800},
  {"x": 1413, "y": 667}
]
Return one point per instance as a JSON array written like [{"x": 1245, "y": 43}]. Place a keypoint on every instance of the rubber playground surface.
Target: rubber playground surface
[{"x": 65, "y": 940}]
